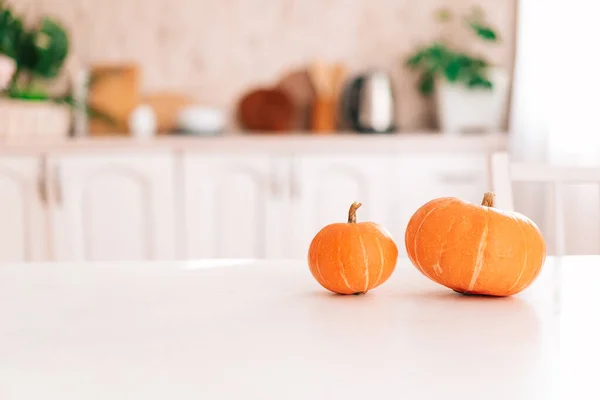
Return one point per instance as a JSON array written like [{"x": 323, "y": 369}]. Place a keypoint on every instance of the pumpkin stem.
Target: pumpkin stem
[
  {"x": 352, "y": 213},
  {"x": 488, "y": 199}
]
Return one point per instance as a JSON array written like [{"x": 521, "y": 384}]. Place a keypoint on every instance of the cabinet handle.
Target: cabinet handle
[
  {"x": 58, "y": 195},
  {"x": 294, "y": 184},
  {"x": 42, "y": 181},
  {"x": 275, "y": 186},
  {"x": 275, "y": 179}
]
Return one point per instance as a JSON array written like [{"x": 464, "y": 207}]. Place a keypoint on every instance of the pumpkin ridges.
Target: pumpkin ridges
[
  {"x": 416, "y": 238},
  {"x": 326, "y": 280},
  {"x": 502, "y": 271},
  {"x": 530, "y": 269},
  {"x": 459, "y": 256},
  {"x": 441, "y": 207},
  {"x": 352, "y": 258},
  {"x": 410, "y": 233},
  {"x": 316, "y": 271},
  {"x": 538, "y": 241},
  {"x": 348, "y": 262},
  {"x": 391, "y": 249},
  {"x": 327, "y": 266},
  {"x": 480, "y": 253},
  {"x": 475, "y": 249},
  {"x": 381, "y": 261},
  {"x": 365, "y": 260},
  {"x": 499, "y": 218},
  {"x": 380, "y": 246},
  {"x": 495, "y": 243},
  {"x": 341, "y": 262},
  {"x": 441, "y": 274},
  {"x": 359, "y": 260},
  {"x": 319, "y": 276},
  {"x": 525, "y": 239}
]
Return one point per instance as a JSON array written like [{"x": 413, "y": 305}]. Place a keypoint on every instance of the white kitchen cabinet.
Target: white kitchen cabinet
[
  {"x": 235, "y": 197},
  {"x": 113, "y": 206},
  {"x": 424, "y": 177},
  {"x": 23, "y": 227},
  {"x": 324, "y": 186},
  {"x": 233, "y": 205}
]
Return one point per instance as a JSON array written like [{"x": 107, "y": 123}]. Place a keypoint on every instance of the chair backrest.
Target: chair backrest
[{"x": 504, "y": 173}]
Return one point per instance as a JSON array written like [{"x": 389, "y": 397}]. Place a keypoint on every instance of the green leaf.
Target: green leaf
[
  {"x": 41, "y": 51},
  {"x": 414, "y": 60},
  {"x": 484, "y": 32},
  {"x": 438, "y": 58},
  {"x": 434, "y": 57},
  {"x": 479, "y": 81},
  {"x": 427, "y": 83},
  {"x": 52, "y": 47},
  {"x": 453, "y": 70},
  {"x": 11, "y": 29},
  {"x": 32, "y": 95},
  {"x": 478, "y": 63},
  {"x": 437, "y": 53}
]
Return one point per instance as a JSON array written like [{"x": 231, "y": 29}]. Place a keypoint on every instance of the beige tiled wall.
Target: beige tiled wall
[{"x": 216, "y": 49}]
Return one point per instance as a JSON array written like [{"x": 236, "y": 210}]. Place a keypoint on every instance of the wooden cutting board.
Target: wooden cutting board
[
  {"x": 297, "y": 84},
  {"x": 114, "y": 90}
]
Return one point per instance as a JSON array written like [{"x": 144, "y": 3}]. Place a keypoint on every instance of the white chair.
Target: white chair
[{"x": 504, "y": 173}]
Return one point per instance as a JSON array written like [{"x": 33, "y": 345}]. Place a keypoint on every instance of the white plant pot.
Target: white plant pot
[
  {"x": 27, "y": 120},
  {"x": 464, "y": 110},
  {"x": 7, "y": 70}
]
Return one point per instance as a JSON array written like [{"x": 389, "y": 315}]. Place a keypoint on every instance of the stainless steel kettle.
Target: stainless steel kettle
[{"x": 368, "y": 103}]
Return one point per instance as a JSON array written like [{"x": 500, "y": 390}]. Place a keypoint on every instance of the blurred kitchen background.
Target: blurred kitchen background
[
  {"x": 212, "y": 53},
  {"x": 185, "y": 129}
]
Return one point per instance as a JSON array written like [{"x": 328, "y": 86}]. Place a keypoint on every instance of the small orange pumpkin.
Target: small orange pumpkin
[
  {"x": 475, "y": 249},
  {"x": 352, "y": 258}
]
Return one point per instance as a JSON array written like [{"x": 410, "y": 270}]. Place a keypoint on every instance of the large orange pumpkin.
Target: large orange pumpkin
[
  {"x": 352, "y": 258},
  {"x": 475, "y": 249}
]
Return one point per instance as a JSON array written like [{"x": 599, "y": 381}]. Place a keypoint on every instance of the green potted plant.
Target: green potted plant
[
  {"x": 470, "y": 93},
  {"x": 31, "y": 56}
]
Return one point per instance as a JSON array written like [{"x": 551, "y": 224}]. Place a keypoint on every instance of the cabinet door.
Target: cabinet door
[
  {"x": 233, "y": 206},
  {"x": 324, "y": 186},
  {"x": 23, "y": 227},
  {"x": 427, "y": 176},
  {"x": 113, "y": 207}
]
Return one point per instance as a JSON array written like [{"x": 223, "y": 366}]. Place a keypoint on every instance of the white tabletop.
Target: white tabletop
[{"x": 266, "y": 330}]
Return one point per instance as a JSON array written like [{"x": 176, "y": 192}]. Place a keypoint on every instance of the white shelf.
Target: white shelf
[{"x": 252, "y": 142}]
